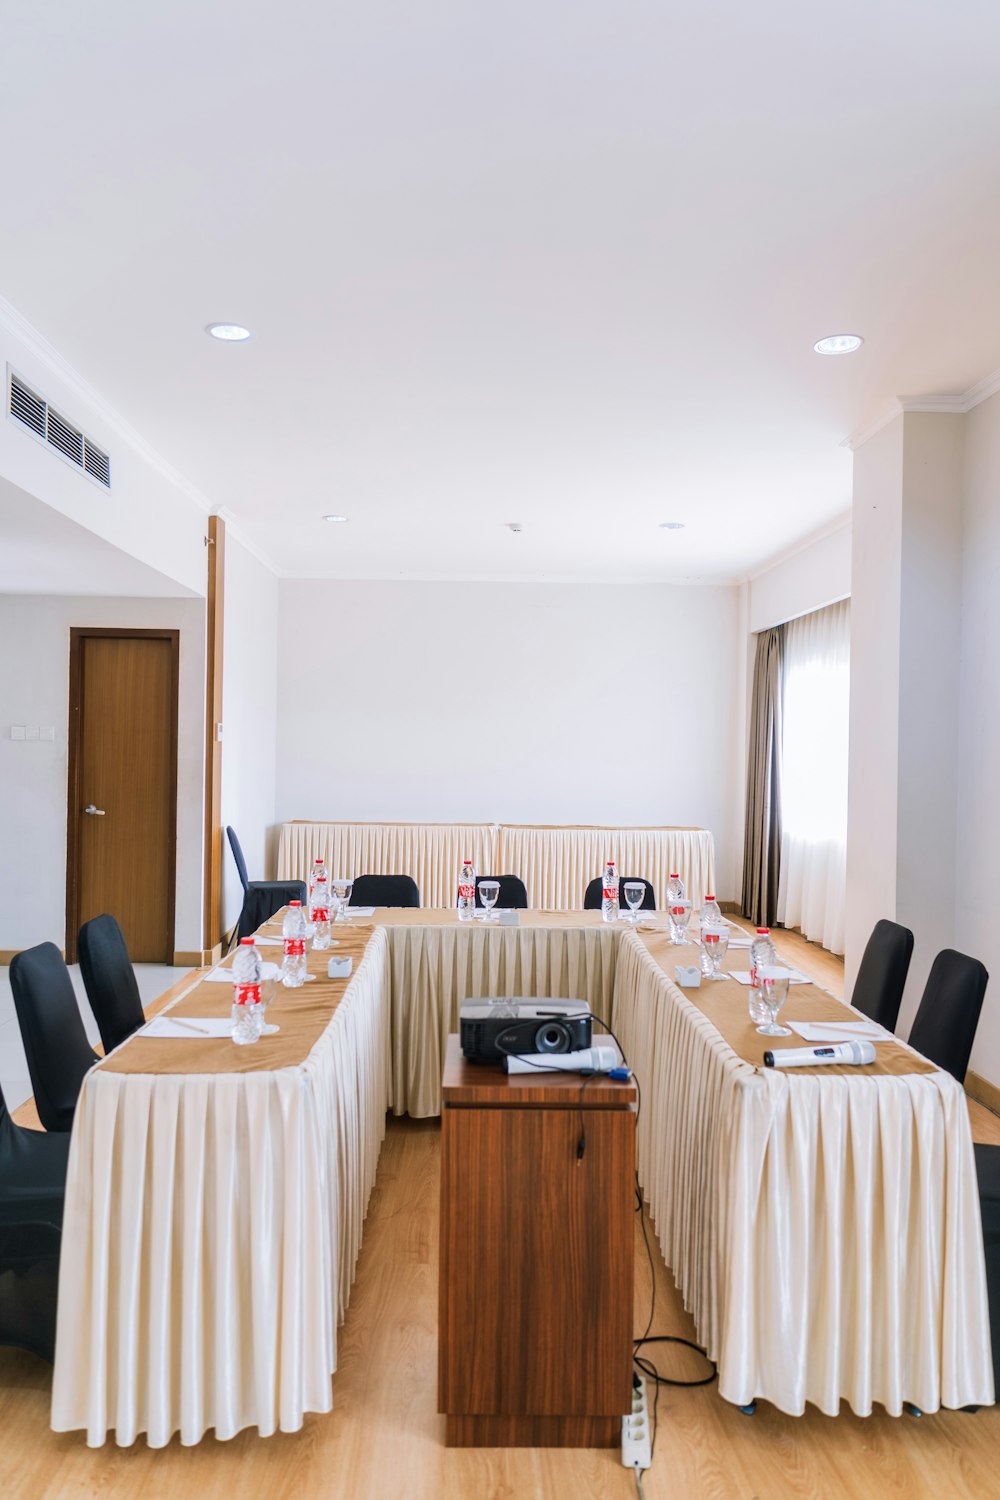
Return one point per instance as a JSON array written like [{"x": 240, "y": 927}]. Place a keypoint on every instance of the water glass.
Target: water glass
[
  {"x": 714, "y": 942},
  {"x": 341, "y": 889},
  {"x": 489, "y": 892},
  {"x": 679, "y": 915},
  {"x": 635, "y": 891},
  {"x": 775, "y": 993}
]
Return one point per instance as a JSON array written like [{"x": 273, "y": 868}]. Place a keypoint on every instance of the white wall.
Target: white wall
[
  {"x": 875, "y": 645},
  {"x": 34, "y": 689},
  {"x": 249, "y": 716},
  {"x": 978, "y": 815},
  {"x": 567, "y": 703}
]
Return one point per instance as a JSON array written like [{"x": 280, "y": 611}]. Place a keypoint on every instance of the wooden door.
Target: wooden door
[{"x": 122, "y": 808}]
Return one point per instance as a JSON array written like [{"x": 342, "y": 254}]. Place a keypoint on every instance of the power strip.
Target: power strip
[{"x": 636, "y": 1445}]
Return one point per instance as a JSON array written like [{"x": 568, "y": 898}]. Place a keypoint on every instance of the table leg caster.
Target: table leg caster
[
  {"x": 911, "y": 1410},
  {"x": 749, "y": 1409}
]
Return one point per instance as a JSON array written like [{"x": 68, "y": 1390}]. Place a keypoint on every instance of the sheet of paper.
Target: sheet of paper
[
  {"x": 838, "y": 1031},
  {"x": 361, "y": 911},
  {"x": 742, "y": 976},
  {"x": 219, "y": 976},
  {"x": 194, "y": 1028}
]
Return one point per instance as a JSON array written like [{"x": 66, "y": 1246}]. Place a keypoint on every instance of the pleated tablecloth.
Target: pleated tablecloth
[
  {"x": 824, "y": 1230},
  {"x": 556, "y": 863},
  {"x": 211, "y": 1229}
]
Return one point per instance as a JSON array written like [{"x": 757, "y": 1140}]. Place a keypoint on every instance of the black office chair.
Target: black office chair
[
  {"x": 988, "y": 1172},
  {"x": 109, "y": 980},
  {"x": 55, "y": 1042},
  {"x": 595, "y": 891},
  {"x": 385, "y": 890},
  {"x": 513, "y": 893},
  {"x": 32, "y": 1189},
  {"x": 945, "y": 1024},
  {"x": 261, "y": 898},
  {"x": 878, "y": 989}
]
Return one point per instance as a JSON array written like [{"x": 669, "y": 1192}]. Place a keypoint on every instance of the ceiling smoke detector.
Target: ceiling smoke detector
[{"x": 514, "y": 526}]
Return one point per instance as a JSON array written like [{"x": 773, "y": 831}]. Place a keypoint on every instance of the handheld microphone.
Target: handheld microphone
[
  {"x": 810, "y": 1057},
  {"x": 586, "y": 1060}
]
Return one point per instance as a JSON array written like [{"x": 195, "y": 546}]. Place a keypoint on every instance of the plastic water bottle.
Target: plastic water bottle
[
  {"x": 467, "y": 892},
  {"x": 293, "y": 930},
  {"x": 675, "y": 890},
  {"x": 763, "y": 955},
  {"x": 609, "y": 893},
  {"x": 248, "y": 1012},
  {"x": 318, "y": 872},
  {"x": 711, "y": 913},
  {"x": 319, "y": 905}
]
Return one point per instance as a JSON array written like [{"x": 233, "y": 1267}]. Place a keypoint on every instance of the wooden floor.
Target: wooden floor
[{"x": 384, "y": 1438}]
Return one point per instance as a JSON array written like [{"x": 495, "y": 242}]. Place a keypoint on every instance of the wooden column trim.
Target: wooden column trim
[{"x": 216, "y": 548}]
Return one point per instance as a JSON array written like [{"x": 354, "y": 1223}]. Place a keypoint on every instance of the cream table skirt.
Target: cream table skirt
[
  {"x": 555, "y": 863},
  {"x": 211, "y": 1230},
  {"x": 824, "y": 1231}
]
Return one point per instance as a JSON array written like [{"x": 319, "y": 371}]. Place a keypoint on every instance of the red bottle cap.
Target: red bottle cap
[
  {"x": 674, "y": 875},
  {"x": 295, "y": 903},
  {"x": 709, "y": 897},
  {"x": 245, "y": 941},
  {"x": 765, "y": 930}
]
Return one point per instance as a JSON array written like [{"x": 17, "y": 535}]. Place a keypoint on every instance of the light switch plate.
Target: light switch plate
[
  {"x": 31, "y": 731},
  {"x": 17, "y": 731},
  {"x": 47, "y": 732}
]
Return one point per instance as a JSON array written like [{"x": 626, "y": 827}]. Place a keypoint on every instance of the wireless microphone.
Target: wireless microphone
[
  {"x": 586, "y": 1060},
  {"x": 811, "y": 1057}
]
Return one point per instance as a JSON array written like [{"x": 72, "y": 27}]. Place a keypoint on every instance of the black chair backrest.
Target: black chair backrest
[
  {"x": 241, "y": 863},
  {"x": 55, "y": 1042},
  {"x": 513, "y": 894},
  {"x": 878, "y": 989},
  {"x": 595, "y": 890},
  {"x": 109, "y": 979},
  {"x": 944, "y": 1028},
  {"x": 385, "y": 890}
]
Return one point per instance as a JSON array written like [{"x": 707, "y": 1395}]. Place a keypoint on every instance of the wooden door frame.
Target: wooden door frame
[{"x": 78, "y": 634}]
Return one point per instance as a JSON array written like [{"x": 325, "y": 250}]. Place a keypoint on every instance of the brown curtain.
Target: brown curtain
[{"x": 762, "y": 835}]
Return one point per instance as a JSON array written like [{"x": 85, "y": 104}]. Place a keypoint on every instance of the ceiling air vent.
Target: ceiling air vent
[{"x": 33, "y": 411}]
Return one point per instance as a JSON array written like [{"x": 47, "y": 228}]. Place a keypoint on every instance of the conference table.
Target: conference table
[{"x": 822, "y": 1225}]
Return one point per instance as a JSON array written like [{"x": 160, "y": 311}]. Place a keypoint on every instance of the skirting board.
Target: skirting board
[
  {"x": 6, "y": 954},
  {"x": 983, "y": 1091},
  {"x": 196, "y": 958}
]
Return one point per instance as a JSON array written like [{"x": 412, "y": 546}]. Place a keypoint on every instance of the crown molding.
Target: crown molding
[
  {"x": 954, "y": 405},
  {"x": 19, "y": 328},
  {"x": 234, "y": 529}
]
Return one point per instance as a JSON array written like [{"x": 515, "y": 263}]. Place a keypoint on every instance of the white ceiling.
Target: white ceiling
[
  {"x": 557, "y": 263},
  {"x": 43, "y": 552}
]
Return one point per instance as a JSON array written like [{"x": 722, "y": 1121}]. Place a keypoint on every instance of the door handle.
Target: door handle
[{"x": 95, "y": 812}]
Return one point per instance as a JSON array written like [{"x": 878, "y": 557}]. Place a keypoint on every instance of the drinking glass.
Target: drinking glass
[
  {"x": 342, "y": 889},
  {"x": 714, "y": 942},
  {"x": 268, "y": 989},
  {"x": 634, "y": 893},
  {"x": 775, "y": 992},
  {"x": 489, "y": 892},
  {"x": 679, "y": 914}
]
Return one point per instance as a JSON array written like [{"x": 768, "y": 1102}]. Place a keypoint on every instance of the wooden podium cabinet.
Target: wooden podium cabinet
[{"x": 535, "y": 1315}]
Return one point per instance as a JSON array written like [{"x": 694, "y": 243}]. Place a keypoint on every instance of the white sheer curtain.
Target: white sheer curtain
[{"x": 814, "y": 775}]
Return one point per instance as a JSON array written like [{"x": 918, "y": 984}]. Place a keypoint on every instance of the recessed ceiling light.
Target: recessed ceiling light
[
  {"x": 336, "y": 520},
  {"x": 229, "y": 333},
  {"x": 671, "y": 525},
  {"x": 839, "y": 343}
]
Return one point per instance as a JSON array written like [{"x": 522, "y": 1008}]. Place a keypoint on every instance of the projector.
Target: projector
[{"x": 494, "y": 1029}]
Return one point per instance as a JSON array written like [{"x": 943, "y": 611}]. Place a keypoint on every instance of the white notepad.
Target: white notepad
[
  {"x": 194, "y": 1028},
  {"x": 839, "y": 1031},
  {"x": 742, "y": 976}
]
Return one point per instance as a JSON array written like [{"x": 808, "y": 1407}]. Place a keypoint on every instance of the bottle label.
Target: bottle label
[
  {"x": 710, "y": 937},
  {"x": 467, "y": 893},
  {"x": 321, "y": 914},
  {"x": 247, "y": 994},
  {"x": 294, "y": 947},
  {"x": 678, "y": 911},
  {"x": 610, "y": 893}
]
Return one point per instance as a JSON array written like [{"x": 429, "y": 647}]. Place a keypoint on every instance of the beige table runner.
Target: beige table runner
[
  {"x": 724, "y": 1002},
  {"x": 303, "y": 1015}
]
